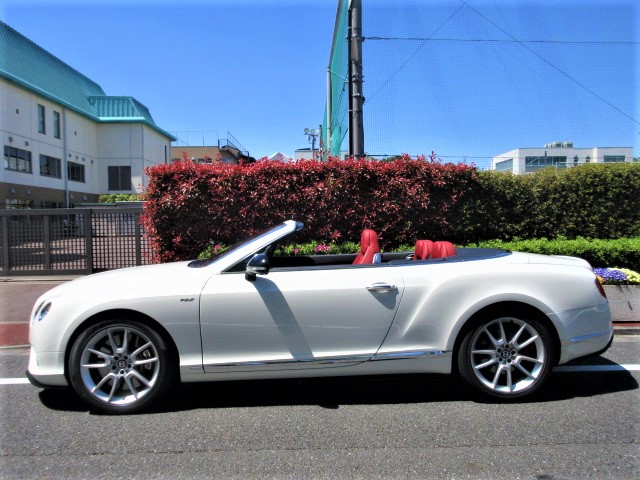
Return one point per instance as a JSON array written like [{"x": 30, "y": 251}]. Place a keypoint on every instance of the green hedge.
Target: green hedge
[
  {"x": 190, "y": 205},
  {"x": 591, "y": 201},
  {"x": 120, "y": 197},
  {"x": 622, "y": 252}
]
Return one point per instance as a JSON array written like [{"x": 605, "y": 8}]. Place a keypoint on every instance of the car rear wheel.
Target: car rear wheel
[
  {"x": 120, "y": 366},
  {"x": 506, "y": 357}
]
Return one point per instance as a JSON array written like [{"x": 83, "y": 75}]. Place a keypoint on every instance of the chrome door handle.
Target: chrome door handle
[{"x": 381, "y": 287}]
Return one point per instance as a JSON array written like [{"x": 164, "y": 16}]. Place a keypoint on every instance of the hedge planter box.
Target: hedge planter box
[{"x": 624, "y": 301}]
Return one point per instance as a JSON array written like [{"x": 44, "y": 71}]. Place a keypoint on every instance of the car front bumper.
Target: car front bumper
[{"x": 46, "y": 369}]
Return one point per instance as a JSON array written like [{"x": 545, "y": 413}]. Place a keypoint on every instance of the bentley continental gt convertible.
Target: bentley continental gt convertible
[{"x": 500, "y": 320}]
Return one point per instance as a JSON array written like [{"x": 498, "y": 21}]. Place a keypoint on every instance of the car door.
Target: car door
[{"x": 311, "y": 317}]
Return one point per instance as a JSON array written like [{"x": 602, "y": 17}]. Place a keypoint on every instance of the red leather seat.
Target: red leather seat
[
  {"x": 368, "y": 247},
  {"x": 442, "y": 249},
  {"x": 423, "y": 249}
]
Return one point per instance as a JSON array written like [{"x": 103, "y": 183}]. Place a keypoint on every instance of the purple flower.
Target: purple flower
[{"x": 611, "y": 276}]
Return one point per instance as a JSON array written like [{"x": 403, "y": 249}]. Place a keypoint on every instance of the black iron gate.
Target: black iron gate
[{"x": 71, "y": 241}]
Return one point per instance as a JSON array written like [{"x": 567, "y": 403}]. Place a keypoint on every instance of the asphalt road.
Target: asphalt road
[{"x": 585, "y": 424}]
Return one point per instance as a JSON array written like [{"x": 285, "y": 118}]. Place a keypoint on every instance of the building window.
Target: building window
[
  {"x": 505, "y": 165},
  {"x": 75, "y": 172},
  {"x": 47, "y": 204},
  {"x": 575, "y": 159},
  {"x": 56, "y": 124},
  {"x": 17, "y": 204},
  {"x": 614, "y": 159},
  {"x": 533, "y": 164},
  {"x": 17, "y": 160},
  {"x": 50, "y": 166},
  {"x": 42, "y": 127},
  {"x": 588, "y": 159},
  {"x": 120, "y": 178}
]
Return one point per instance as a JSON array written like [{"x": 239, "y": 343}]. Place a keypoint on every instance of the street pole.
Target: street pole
[
  {"x": 356, "y": 98},
  {"x": 327, "y": 145}
]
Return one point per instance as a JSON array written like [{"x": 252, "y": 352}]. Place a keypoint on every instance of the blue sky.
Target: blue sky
[{"x": 258, "y": 69}]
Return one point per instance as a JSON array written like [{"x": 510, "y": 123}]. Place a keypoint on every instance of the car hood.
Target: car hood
[{"x": 134, "y": 279}]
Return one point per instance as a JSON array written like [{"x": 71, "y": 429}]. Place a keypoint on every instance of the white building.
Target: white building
[
  {"x": 558, "y": 155},
  {"x": 280, "y": 157},
  {"x": 65, "y": 141},
  {"x": 308, "y": 154}
]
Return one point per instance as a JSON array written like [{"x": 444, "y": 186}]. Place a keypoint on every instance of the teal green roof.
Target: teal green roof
[
  {"x": 119, "y": 108},
  {"x": 26, "y": 64}
]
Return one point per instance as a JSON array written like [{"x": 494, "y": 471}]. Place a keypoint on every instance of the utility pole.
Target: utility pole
[
  {"x": 356, "y": 98},
  {"x": 327, "y": 145}
]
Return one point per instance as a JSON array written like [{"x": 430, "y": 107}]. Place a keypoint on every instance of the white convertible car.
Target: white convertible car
[{"x": 501, "y": 320}]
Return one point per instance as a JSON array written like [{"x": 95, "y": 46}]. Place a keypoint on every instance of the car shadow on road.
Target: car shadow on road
[{"x": 332, "y": 393}]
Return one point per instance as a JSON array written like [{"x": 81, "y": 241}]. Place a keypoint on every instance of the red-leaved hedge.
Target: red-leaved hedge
[{"x": 189, "y": 205}]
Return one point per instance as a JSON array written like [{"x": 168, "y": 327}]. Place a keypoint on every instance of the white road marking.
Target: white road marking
[
  {"x": 13, "y": 381},
  {"x": 560, "y": 369}
]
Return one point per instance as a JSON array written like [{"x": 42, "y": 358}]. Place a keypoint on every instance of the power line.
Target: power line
[
  {"x": 497, "y": 40},
  {"x": 415, "y": 52},
  {"x": 522, "y": 43},
  {"x": 550, "y": 64}
]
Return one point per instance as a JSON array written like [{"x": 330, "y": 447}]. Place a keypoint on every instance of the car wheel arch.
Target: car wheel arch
[
  {"x": 505, "y": 309},
  {"x": 121, "y": 314}
]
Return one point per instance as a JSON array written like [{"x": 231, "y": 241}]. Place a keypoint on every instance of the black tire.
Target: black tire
[
  {"x": 506, "y": 357},
  {"x": 120, "y": 366}
]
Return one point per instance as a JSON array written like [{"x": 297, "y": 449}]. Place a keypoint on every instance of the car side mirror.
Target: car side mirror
[{"x": 258, "y": 265}]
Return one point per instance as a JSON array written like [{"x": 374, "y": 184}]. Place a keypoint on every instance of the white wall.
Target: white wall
[
  {"x": 92, "y": 144},
  {"x": 135, "y": 145}
]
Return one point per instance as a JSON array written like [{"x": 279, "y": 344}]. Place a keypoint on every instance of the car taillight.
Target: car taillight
[{"x": 600, "y": 289}]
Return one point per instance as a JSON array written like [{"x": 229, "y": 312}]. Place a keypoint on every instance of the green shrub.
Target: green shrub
[
  {"x": 622, "y": 252},
  {"x": 591, "y": 201},
  {"x": 120, "y": 197}
]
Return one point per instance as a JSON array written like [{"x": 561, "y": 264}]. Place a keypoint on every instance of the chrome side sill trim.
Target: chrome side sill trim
[
  {"x": 332, "y": 360},
  {"x": 293, "y": 361},
  {"x": 408, "y": 355},
  {"x": 588, "y": 337}
]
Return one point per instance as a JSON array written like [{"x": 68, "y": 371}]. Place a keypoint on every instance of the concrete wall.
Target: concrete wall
[{"x": 90, "y": 143}]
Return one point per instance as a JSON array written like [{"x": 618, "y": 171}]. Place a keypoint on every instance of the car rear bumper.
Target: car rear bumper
[
  {"x": 592, "y": 344},
  {"x": 588, "y": 331}
]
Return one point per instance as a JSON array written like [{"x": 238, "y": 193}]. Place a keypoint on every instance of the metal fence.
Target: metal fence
[{"x": 71, "y": 241}]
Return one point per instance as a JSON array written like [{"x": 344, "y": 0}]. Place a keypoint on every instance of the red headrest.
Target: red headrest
[
  {"x": 442, "y": 249},
  {"x": 368, "y": 247},
  {"x": 423, "y": 249},
  {"x": 368, "y": 238}
]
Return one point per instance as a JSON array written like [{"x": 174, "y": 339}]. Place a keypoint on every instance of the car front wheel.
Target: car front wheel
[
  {"x": 119, "y": 366},
  {"x": 506, "y": 357}
]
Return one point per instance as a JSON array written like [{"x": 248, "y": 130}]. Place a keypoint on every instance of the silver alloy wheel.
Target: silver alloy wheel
[
  {"x": 119, "y": 365},
  {"x": 508, "y": 355}
]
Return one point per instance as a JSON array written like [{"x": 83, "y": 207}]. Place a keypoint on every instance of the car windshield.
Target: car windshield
[{"x": 203, "y": 262}]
